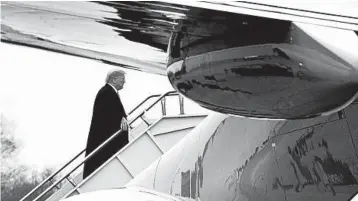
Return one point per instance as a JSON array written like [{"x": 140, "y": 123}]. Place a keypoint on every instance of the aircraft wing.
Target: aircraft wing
[{"x": 135, "y": 35}]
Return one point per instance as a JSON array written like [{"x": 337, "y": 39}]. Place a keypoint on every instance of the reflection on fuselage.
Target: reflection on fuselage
[{"x": 233, "y": 158}]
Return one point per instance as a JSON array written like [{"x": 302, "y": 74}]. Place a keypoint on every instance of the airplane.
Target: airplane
[{"x": 281, "y": 80}]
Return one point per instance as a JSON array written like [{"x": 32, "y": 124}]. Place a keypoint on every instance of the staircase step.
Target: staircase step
[
  {"x": 173, "y": 123},
  {"x": 144, "y": 149}
]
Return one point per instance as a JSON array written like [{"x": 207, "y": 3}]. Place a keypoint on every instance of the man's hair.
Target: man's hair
[{"x": 113, "y": 74}]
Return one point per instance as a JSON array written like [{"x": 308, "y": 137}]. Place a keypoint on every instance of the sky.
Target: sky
[{"x": 50, "y": 98}]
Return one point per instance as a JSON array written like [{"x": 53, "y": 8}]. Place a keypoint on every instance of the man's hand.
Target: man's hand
[{"x": 124, "y": 124}]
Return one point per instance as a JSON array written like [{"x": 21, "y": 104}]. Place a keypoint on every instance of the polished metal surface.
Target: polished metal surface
[
  {"x": 258, "y": 67},
  {"x": 129, "y": 34},
  {"x": 238, "y": 159},
  {"x": 336, "y": 14},
  {"x": 135, "y": 35}
]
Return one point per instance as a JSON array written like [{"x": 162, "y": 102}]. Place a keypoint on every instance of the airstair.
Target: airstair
[{"x": 148, "y": 140}]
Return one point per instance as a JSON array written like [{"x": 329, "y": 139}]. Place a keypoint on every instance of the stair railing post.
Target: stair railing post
[
  {"x": 164, "y": 108},
  {"x": 181, "y": 104},
  {"x": 54, "y": 184}
]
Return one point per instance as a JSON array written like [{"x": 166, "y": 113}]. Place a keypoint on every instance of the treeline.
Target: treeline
[{"x": 16, "y": 179}]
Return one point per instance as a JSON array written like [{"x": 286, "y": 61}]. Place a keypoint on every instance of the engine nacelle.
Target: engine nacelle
[{"x": 261, "y": 68}]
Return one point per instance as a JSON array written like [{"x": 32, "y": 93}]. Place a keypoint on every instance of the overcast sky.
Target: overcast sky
[{"x": 50, "y": 97}]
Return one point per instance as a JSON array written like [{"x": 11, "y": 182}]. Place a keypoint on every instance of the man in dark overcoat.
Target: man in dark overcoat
[{"x": 108, "y": 117}]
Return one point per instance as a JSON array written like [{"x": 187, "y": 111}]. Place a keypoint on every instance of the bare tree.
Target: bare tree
[
  {"x": 16, "y": 180},
  {"x": 8, "y": 143}
]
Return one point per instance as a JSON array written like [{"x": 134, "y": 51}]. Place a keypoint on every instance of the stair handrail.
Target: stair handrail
[
  {"x": 52, "y": 175},
  {"x": 81, "y": 152},
  {"x": 75, "y": 157},
  {"x": 170, "y": 93},
  {"x": 145, "y": 100}
]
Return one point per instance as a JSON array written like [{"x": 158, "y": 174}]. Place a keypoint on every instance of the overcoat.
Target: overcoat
[{"x": 107, "y": 114}]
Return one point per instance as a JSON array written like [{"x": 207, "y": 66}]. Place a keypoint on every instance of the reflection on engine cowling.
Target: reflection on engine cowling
[{"x": 290, "y": 75}]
